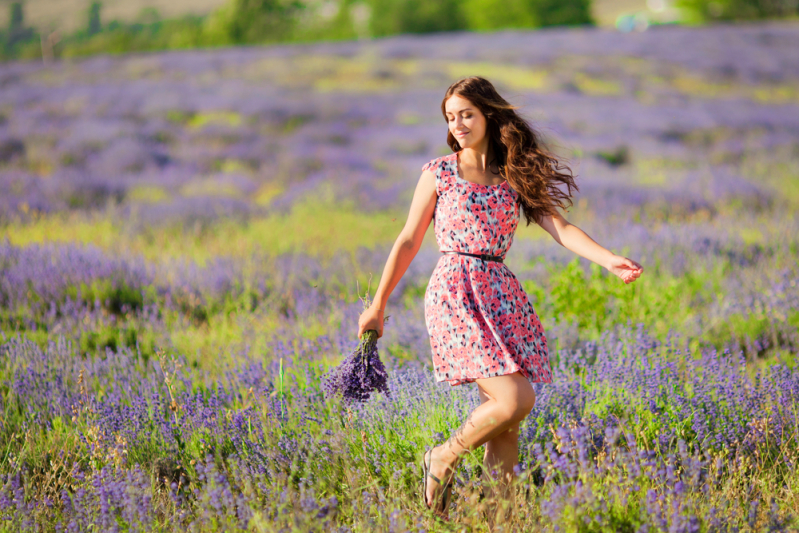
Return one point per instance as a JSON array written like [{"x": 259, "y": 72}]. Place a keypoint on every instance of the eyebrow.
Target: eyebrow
[{"x": 462, "y": 110}]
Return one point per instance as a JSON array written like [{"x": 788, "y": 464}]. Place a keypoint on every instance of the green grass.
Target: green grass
[
  {"x": 203, "y": 325},
  {"x": 312, "y": 228},
  {"x": 379, "y": 450}
]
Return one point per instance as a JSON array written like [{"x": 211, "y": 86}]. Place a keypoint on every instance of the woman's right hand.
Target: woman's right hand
[{"x": 372, "y": 318}]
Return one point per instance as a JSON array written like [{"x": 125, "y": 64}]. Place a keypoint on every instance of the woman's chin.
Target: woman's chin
[
  {"x": 464, "y": 143},
  {"x": 467, "y": 143}
]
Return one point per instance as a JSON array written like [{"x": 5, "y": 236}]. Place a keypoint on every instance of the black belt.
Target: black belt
[{"x": 484, "y": 257}]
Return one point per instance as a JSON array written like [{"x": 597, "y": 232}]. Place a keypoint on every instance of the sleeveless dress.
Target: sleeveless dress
[{"x": 480, "y": 321}]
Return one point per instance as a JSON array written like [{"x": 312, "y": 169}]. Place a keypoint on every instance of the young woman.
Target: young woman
[{"x": 482, "y": 326}]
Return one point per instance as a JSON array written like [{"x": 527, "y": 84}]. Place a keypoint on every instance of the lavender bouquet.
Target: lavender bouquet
[{"x": 360, "y": 373}]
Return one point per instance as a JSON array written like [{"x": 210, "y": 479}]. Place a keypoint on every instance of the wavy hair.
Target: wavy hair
[{"x": 530, "y": 168}]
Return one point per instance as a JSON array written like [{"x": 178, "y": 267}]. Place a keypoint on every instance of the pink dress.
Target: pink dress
[{"x": 480, "y": 321}]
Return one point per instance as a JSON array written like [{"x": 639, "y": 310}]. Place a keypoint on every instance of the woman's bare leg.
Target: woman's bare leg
[
  {"x": 510, "y": 400},
  {"x": 501, "y": 455},
  {"x": 501, "y": 452}
]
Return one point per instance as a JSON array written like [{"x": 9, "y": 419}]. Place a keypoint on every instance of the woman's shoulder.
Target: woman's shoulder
[
  {"x": 439, "y": 162},
  {"x": 444, "y": 168}
]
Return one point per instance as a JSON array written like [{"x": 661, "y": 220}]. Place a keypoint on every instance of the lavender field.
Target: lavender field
[{"x": 184, "y": 236}]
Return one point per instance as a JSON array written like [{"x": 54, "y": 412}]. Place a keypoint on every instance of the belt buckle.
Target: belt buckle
[{"x": 485, "y": 257}]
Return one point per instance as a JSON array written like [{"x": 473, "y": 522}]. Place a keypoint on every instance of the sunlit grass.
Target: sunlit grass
[
  {"x": 82, "y": 229},
  {"x": 319, "y": 230},
  {"x": 515, "y": 77},
  {"x": 694, "y": 85},
  {"x": 204, "y": 343},
  {"x": 366, "y": 75},
  {"x": 778, "y": 171},
  {"x": 592, "y": 85},
  {"x": 656, "y": 171},
  {"x": 226, "y": 118},
  {"x": 266, "y": 192},
  {"x": 148, "y": 194},
  {"x": 210, "y": 188}
]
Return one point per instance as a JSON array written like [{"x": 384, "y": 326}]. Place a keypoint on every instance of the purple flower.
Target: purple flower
[{"x": 359, "y": 374}]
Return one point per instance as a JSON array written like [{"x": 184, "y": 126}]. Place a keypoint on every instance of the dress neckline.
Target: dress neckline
[{"x": 458, "y": 175}]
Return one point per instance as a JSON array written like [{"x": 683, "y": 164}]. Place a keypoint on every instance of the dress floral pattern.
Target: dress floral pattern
[{"x": 480, "y": 321}]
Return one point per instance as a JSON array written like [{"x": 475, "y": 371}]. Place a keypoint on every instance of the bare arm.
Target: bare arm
[
  {"x": 405, "y": 248},
  {"x": 573, "y": 238}
]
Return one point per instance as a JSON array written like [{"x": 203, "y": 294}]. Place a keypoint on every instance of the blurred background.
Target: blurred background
[{"x": 67, "y": 28}]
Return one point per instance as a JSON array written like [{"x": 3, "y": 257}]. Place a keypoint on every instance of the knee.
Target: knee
[
  {"x": 529, "y": 401},
  {"x": 519, "y": 407},
  {"x": 525, "y": 404}
]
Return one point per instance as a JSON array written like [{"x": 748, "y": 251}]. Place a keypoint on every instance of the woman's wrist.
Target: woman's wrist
[
  {"x": 609, "y": 259},
  {"x": 379, "y": 302}
]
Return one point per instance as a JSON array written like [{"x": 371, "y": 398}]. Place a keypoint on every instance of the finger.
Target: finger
[
  {"x": 626, "y": 262},
  {"x": 634, "y": 272},
  {"x": 629, "y": 263}
]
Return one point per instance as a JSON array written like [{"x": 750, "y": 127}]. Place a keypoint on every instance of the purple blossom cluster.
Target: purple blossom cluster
[
  {"x": 360, "y": 373},
  {"x": 151, "y": 134},
  {"x": 634, "y": 430}
]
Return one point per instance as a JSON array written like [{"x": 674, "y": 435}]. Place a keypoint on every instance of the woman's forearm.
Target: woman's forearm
[
  {"x": 573, "y": 238},
  {"x": 400, "y": 257}
]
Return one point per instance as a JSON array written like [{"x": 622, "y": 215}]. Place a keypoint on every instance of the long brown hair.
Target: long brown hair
[{"x": 530, "y": 168}]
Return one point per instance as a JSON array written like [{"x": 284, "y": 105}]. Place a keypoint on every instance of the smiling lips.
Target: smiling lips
[{"x": 461, "y": 134}]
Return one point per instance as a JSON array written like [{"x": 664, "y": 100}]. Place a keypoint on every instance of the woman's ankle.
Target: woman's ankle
[{"x": 442, "y": 455}]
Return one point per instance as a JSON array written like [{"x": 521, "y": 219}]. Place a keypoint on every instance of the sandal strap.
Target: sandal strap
[
  {"x": 445, "y": 489},
  {"x": 445, "y": 496},
  {"x": 434, "y": 478}
]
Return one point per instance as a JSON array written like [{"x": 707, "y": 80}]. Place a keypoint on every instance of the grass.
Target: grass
[
  {"x": 319, "y": 230},
  {"x": 316, "y": 229},
  {"x": 373, "y": 456},
  {"x": 592, "y": 300}
]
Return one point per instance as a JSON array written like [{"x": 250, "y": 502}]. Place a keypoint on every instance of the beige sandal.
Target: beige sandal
[{"x": 447, "y": 488}]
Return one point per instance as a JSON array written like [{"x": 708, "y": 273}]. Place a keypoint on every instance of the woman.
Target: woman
[{"x": 482, "y": 326}]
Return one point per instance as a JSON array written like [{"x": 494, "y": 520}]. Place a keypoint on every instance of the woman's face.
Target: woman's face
[{"x": 466, "y": 123}]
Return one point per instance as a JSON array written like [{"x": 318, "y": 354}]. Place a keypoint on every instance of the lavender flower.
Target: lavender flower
[{"x": 359, "y": 374}]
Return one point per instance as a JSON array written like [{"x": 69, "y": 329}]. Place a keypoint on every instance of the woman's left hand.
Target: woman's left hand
[{"x": 627, "y": 269}]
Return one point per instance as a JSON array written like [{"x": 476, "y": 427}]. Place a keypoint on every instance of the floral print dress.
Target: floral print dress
[{"x": 480, "y": 321}]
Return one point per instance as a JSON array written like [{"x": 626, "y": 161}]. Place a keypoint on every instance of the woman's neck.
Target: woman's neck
[{"x": 477, "y": 158}]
